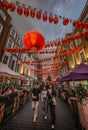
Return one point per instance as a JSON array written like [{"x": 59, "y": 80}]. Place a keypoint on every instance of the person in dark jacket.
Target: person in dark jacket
[
  {"x": 35, "y": 100},
  {"x": 52, "y": 103}
]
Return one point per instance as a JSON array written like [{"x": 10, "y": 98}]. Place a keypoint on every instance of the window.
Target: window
[
  {"x": 18, "y": 39},
  {"x": 18, "y": 68},
  {"x": 77, "y": 42},
  {"x": 12, "y": 64},
  {"x": 1, "y": 27},
  {"x": 74, "y": 58},
  {"x": 2, "y": 15},
  {"x": 24, "y": 58},
  {"x": 21, "y": 44},
  {"x": 13, "y": 33},
  {"x": 19, "y": 55},
  {"x": 82, "y": 57},
  {"x": 71, "y": 45},
  {"x": 5, "y": 61},
  {"x": 10, "y": 43},
  {"x": 25, "y": 71}
]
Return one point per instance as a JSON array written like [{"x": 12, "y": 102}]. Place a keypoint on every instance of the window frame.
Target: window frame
[
  {"x": 82, "y": 51},
  {"x": 2, "y": 14},
  {"x": 11, "y": 32},
  {"x": 4, "y": 59},
  {"x": 1, "y": 28},
  {"x": 9, "y": 39},
  {"x": 12, "y": 66}
]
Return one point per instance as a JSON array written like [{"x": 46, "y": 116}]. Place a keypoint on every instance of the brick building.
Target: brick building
[{"x": 5, "y": 20}]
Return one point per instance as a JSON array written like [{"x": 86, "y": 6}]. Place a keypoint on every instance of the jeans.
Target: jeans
[
  {"x": 52, "y": 112},
  {"x": 45, "y": 107},
  {"x": 35, "y": 105}
]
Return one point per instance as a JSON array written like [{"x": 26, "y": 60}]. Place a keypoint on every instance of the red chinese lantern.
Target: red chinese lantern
[
  {"x": 38, "y": 15},
  {"x": 86, "y": 25},
  {"x": 55, "y": 20},
  {"x": 32, "y": 13},
  {"x": 65, "y": 21},
  {"x": 34, "y": 40},
  {"x": 26, "y": 12},
  {"x": 48, "y": 45},
  {"x": 12, "y": 7},
  {"x": 50, "y": 18},
  {"x": 81, "y": 25},
  {"x": 45, "y": 16},
  {"x": 63, "y": 41},
  {"x": 75, "y": 23},
  {"x": 19, "y": 10},
  {"x": 77, "y": 36},
  {"x": 5, "y": 4},
  {"x": 84, "y": 34}
]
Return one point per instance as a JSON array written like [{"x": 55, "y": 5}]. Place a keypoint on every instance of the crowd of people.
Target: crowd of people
[
  {"x": 47, "y": 96},
  {"x": 42, "y": 94},
  {"x": 11, "y": 92}
]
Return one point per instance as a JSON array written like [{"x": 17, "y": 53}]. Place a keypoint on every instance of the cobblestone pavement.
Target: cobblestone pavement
[{"x": 23, "y": 120}]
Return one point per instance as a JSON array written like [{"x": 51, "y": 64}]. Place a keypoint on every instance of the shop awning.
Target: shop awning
[
  {"x": 5, "y": 71},
  {"x": 77, "y": 74}
]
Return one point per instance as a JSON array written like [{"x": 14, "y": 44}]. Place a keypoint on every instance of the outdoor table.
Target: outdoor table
[{"x": 83, "y": 114}]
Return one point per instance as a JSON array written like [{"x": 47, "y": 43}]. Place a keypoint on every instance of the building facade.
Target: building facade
[
  {"x": 5, "y": 21},
  {"x": 81, "y": 56}
]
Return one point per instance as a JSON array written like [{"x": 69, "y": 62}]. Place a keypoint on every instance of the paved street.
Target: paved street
[{"x": 24, "y": 119}]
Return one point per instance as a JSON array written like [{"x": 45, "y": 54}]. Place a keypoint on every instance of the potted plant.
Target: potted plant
[{"x": 81, "y": 93}]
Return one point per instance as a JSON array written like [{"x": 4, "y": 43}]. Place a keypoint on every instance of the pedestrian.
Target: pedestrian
[
  {"x": 52, "y": 103},
  {"x": 44, "y": 102},
  {"x": 35, "y": 100}
]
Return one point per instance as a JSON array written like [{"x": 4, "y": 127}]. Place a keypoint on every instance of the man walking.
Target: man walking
[{"x": 35, "y": 100}]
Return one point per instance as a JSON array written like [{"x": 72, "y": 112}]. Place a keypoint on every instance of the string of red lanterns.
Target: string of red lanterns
[
  {"x": 37, "y": 64},
  {"x": 43, "y": 72},
  {"x": 23, "y": 50},
  {"x": 62, "y": 41},
  {"x": 67, "y": 39},
  {"x": 39, "y": 14},
  {"x": 72, "y": 51}
]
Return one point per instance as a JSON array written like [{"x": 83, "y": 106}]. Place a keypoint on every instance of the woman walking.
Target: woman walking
[
  {"x": 44, "y": 102},
  {"x": 52, "y": 103}
]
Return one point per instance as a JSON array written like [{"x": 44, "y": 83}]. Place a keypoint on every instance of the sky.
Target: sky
[{"x": 66, "y": 8}]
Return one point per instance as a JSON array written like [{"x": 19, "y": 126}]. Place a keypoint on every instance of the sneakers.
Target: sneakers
[
  {"x": 52, "y": 126},
  {"x": 45, "y": 117}
]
